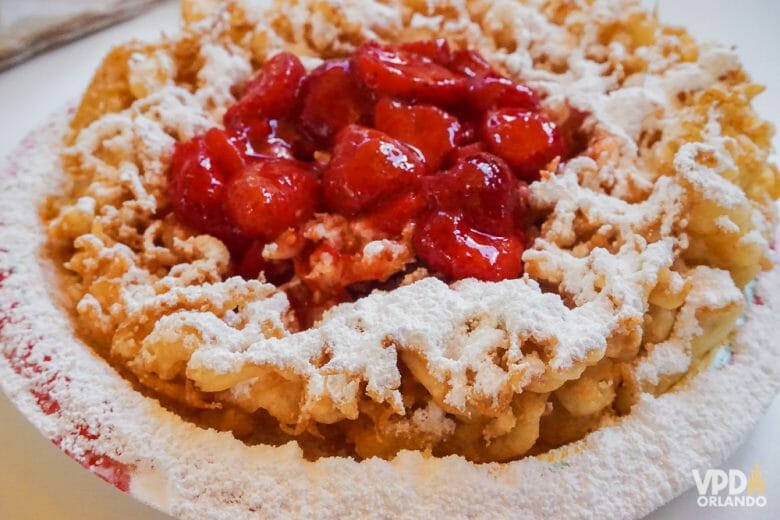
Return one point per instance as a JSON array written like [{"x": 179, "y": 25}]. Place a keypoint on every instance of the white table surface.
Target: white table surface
[{"x": 37, "y": 481}]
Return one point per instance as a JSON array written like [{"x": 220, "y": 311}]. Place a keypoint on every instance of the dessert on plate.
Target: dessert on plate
[{"x": 436, "y": 233}]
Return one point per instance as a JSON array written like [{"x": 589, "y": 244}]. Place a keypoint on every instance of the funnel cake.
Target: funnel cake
[{"x": 483, "y": 229}]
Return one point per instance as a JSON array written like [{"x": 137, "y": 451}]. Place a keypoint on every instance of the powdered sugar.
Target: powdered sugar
[
  {"x": 706, "y": 180},
  {"x": 222, "y": 69},
  {"x": 667, "y": 358}
]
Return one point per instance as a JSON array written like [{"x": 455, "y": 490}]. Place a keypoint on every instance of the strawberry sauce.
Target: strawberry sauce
[{"x": 412, "y": 138}]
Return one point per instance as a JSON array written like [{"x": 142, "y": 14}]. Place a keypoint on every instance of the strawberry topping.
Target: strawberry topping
[
  {"x": 332, "y": 98},
  {"x": 482, "y": 187},
  {"x": 526, "y": 140},
  {"x": 426, "y": 127},
  {"x": 271, "y": 94},
  {"x": 270, "y": 196},
  {"x": 366, "y": 166},
  {"x": 408, "y": 75},
  {"x": 414, "y": 144},
  {"x": 447, "y": 244}
]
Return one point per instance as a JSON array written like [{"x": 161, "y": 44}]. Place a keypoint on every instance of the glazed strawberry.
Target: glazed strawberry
[
  {"x": 252, "y": 264},
  {"x": 426, "y": 127},
  {"x": 272, "y": 93},
  {"x": 437, "y": 50},
  {"x": 196, "y": 185},
  {"x": 278, "y": 138},
  {"x": 482, "y": 187},
  {"x": 446, "y": 244},
  {"x": 331, "y": 98},
  {"x": 270, "y": 196},
  {"x": 224, "y": 152},
  {"x": 527, "y": 141},
  {"x": 464, "y": 151},
  {"x": 488, "y": 93},
  {"x": 393, "y": 215},
  {"x": 368, "y": 165},
  {"x": 399, "y": 73},
  {"x": 261, "y": 140},
  {"x": 469, "y": 133},
  {"x": 471, "y": 64}
]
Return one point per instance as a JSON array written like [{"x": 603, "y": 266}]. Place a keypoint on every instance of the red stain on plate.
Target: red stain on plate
[
  {"x": 107, "y": 468},
  {"x": 5, "y": 316},
  {"x": 43, "y": 379}
]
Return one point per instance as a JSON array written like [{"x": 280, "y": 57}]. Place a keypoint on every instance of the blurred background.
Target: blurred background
[
  {"x": 28, "y": 27},
  {"x": 37, "y": 481}
]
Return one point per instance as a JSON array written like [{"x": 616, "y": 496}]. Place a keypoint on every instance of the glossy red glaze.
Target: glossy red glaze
[
  {"x": 426, "y": 127},
  {"x": 392, "y": 215},
  {"x": 270, "y": 196},
  {"x": 437, "y": 50},
  {"x": 196, "y": 185},
  {"x": 471, "y": 64},
  {"x": 448, "y": 245},
  {"x": 398, "y": 73},
  {"x": 488, "y": 93},
  {"x": 271, "y": 94},
  {"x": 483, "y": 188},
  {"x": 526, "y": 140},
  {"x": 332, "y": 98},
  {"x": 366, "y": 166}
]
